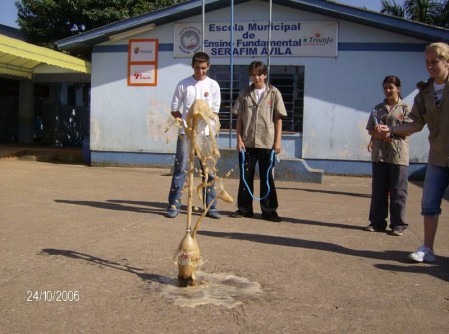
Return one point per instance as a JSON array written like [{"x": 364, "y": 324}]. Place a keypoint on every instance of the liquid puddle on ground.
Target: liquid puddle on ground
[{"x": 220, "y": 289}]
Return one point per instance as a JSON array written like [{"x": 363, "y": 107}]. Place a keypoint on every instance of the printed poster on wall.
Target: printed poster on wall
[
  {"x": 142, "y": 62},
  {"x": 251, "y": 39}
]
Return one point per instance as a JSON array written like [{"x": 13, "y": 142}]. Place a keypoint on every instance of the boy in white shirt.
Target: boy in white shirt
[{"x": 197, "y": 86}]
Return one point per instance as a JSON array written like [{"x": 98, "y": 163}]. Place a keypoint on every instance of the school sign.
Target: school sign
[{"x": 252, "y": 39}]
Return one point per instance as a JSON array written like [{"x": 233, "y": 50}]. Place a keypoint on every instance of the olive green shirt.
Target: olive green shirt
[
  {"x": 397, "y": 151},
  {"x": 426, "y": 111},
  {"x": 258, "y": 130}
]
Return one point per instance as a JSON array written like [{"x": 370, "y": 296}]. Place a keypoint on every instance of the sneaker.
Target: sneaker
[
  {"x": 372, "y": 228},
  {"x": 213, "y": 214},
  {"x": 423, "y": 254},
  {"x": 171, "y": 212},
  {"x": 273, "y": 217},
  {"x": 398, "y": 231},
  {"x": 240, "y": 214}
]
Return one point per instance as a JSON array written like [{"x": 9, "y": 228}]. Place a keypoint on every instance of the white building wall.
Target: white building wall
[{"x": 339, "y": 92}]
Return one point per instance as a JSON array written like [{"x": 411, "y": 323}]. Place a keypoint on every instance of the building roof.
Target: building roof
[
  {"x": 19, "y": 58},
  {"x": 84, "y": 42},
  {"x": 11, "y": 32}
]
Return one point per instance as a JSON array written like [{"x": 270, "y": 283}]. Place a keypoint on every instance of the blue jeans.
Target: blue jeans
[
  {"x": 435, "y": 184},
  {"x": 180, "y": 173}
]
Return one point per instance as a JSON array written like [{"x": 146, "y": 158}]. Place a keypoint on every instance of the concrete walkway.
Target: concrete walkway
[{"x": 96, "y": 240}]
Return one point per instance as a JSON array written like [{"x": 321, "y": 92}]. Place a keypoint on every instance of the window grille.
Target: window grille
[{"x": 288, "y": 79}]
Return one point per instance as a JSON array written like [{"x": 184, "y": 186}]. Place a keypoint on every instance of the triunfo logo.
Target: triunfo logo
[
  {"x": 317, "y": 39},
  {"x": 189, "y": 40},
  {"x": 143, "y": 75}
]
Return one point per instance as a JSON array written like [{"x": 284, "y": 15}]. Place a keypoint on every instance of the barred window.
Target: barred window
[{"x": 288, "y": 79}]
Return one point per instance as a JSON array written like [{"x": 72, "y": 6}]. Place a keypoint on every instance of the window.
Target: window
[{"x": 288, "y": 79}]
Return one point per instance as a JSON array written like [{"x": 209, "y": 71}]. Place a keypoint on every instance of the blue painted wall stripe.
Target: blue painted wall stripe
[
  {"x": 165, "y": 47},
  {"x": 397, "y": 47}
]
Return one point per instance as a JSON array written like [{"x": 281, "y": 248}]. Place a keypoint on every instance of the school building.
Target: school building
[
  {"x": 328, "y": 60},
  {"x": 43, "y": 94}
]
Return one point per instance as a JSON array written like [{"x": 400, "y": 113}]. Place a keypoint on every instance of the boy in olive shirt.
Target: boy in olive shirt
[{"x": 259, "y": 110}]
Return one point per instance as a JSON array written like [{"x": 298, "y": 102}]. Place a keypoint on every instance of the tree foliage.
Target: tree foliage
[
  {"x": 433, "y": 12},
  {"x": 43, "y": 22}
]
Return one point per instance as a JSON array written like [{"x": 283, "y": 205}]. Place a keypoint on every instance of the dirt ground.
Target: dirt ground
[{"x": 88, "y": 250}]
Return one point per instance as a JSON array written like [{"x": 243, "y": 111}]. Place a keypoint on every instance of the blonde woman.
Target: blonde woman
[{"x": 431, "y": 107}]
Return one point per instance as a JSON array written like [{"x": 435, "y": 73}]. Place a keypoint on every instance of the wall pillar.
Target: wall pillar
[{"x": 26, "y": 111}]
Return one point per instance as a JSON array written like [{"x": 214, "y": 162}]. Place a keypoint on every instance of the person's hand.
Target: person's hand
[
  {"x": 385, "y": 131},
  {"x": 384, "y": 128},
  {"x": 240, "y": 146},
  {"x": 370, "y": 146},
  {"x": 277, "y": 147},
  {"x": 176, "y": 114}
]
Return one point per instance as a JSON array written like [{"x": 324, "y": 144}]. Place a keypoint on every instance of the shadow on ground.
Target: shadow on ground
[
  {"x": 331, "y": 192},
  {"x": 121, "y": 205},
  {"x": 122, "y": 266},
  {"x": 438, "y": 270},
  {"x": 133, "y": 206}
]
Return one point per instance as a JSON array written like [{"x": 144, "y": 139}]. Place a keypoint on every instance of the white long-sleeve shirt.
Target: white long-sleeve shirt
[{"x": 188, "y": 90}]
